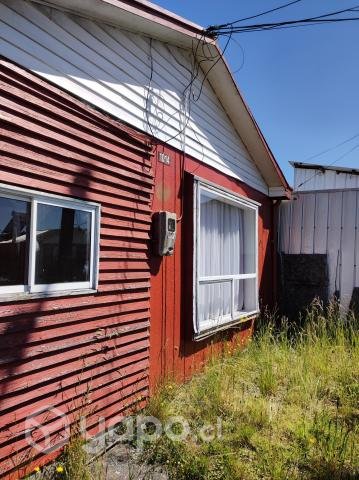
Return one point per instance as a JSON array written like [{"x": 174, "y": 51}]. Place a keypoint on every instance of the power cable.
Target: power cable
[
  {"x": 331, "y": 148},
  {"x": 211, "y": 68},
  {"x": 149, "y": 89},
  {"x": 243, "y": 55},
  {"x": 220, "y": 30},
  {"x": 194, "y": 73},
  {"x": 148, "y": 99},
  {"x": 300, "y": 25},
  {"x": 283, "y": 25},
  {"x": 214, "y": 27}
]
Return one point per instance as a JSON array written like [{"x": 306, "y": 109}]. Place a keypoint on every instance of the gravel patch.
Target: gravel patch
[{"x": 122, "y": 463}]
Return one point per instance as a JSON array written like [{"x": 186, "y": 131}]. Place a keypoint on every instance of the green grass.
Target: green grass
[
  {"x": 288, "y": 404},
  {"x": 73, "y": 464}
]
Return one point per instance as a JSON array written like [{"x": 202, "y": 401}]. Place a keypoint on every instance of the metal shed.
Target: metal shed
[{"x": 323, "y": 218}]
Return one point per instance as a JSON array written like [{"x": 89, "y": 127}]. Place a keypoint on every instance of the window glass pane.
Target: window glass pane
[
  {"x": 14, "y": 229},
  {"x": 245, "y": 295},
  {"x": 63, "y": 242},
  {"x": 214, "y": 302},
  {"x": 227, "y": 237}
]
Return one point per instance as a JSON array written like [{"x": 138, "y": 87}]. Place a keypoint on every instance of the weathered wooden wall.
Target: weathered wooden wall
[
  {"x": 83, "y": 352},
  {"x": 172, "y": 349}
]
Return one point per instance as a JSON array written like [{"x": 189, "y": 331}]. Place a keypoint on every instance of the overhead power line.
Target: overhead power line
[
  {"x": 202, "y": 53},
  {"x": 332, "y": 148},
  {"x": 258, "y": 15},
  {"x": 231, "y": 28}
]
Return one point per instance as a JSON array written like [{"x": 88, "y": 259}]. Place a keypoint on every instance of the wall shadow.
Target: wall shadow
[{"x": 30, "y": 338}]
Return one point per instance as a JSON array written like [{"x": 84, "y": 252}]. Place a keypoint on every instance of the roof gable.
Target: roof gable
[{"x": 167, "y": 28}]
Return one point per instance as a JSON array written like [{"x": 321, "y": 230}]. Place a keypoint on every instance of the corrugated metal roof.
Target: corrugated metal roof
[{"x": 310, "y": 177}]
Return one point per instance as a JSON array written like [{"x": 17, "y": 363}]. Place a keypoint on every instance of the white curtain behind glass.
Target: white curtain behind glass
[{"x": 221, "y": 252}]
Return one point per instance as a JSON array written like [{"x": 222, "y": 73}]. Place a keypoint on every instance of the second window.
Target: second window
[
  {"x": 226, "y": 258},
  {"x": 47, "y": 243}
]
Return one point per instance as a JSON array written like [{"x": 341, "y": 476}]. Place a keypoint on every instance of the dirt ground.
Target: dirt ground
[{"x": 120, "y": 464}]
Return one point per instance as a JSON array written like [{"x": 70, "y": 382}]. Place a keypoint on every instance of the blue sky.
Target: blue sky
[{"x": 302, "y": 84}]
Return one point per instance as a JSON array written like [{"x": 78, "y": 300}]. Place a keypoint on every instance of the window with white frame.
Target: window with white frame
[
  {"x": 47, "y": 243},
  {"x": 226, "y": 252}
]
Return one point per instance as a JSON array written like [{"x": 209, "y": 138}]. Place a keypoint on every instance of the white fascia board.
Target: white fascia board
[
  {"x": 176, "y": 31},
  {"x": 279, "y": 192}
]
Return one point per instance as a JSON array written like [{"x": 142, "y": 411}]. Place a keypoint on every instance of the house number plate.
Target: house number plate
[{"x": 164, "y": 158}]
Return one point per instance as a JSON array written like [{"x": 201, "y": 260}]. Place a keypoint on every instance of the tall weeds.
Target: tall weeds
[{"x": 288, "y": 403}]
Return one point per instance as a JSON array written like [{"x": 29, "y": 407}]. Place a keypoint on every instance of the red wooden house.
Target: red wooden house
[{"x": 110, "y": 114}]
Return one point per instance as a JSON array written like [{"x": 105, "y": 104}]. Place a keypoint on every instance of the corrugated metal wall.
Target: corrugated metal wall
[
  {"x": 87, "y": 351},
  {"x": 328, "y": 223},
  {"x": 111, "y": 69}
]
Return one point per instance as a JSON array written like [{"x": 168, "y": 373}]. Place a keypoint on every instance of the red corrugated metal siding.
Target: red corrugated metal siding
[
  {"x": 172, "y": 350},
  {"x": 56, "y": 350}
]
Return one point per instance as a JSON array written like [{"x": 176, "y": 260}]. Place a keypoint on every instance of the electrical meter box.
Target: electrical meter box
[{"x": 164, "y": 233}]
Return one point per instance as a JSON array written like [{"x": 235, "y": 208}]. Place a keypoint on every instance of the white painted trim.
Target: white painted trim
[
  {"x": 222, "y": 190},
  {"x": 196, "y": 213},
  {"x": 95, "y": 253},
  {"x": 226, "y": 278},
  {"x": 256, "y": 236},
  {"x": 35, "y": 197},
  {"x": 60, "y": 287},
  {"x": 32, "y": 245},
  {"x": 275, "y": 192},
  {"x": 212, "y": 330},
  {"x": 235, "y": 316},
  {"x": 12, "y": 289}
]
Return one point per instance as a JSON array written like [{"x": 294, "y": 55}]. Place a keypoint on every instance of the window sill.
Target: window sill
[
  {"x": 22, "y": 297},
  {"x": 225, "y": 326}
]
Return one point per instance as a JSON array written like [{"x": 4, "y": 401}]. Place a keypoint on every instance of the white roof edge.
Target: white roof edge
[
  {"x": 278, "y": 192},
  {"x": 134, "y": 15},
  {"x": 313, "y": 166},
  {"x": 144, "y": 17}
]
